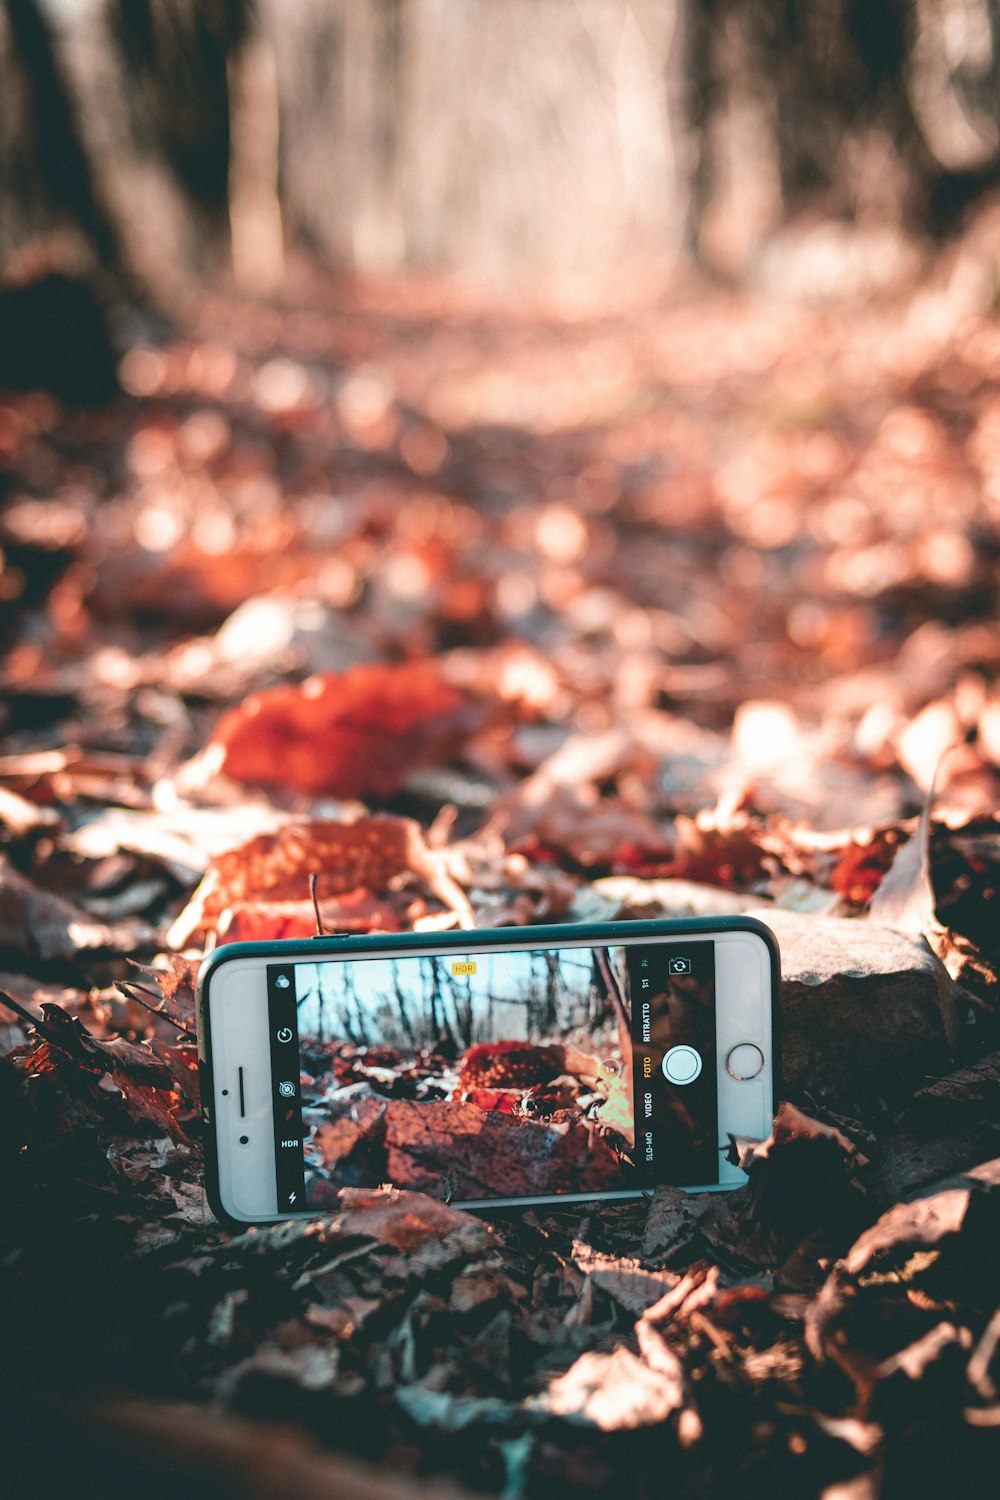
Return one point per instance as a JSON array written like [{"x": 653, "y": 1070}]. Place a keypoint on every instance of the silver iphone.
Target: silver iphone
[{"x": 519, "y": 1066}]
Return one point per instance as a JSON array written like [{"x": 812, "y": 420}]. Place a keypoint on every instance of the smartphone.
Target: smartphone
[{"x": 548, "y": 1065}]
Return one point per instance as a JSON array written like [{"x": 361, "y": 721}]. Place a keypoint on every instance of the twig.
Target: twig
[
  {"x": 19, "y": 1010},
  {"x": 320, "y": 932},
  {"x": 603, "y": 958},
  {"x": 131, "y": 992}
]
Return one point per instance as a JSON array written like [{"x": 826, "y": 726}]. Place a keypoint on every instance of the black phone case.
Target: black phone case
[{"x": 601, "y": 933}]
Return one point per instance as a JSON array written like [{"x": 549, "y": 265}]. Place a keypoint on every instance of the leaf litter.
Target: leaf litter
[{"x": 472, "y": 658}]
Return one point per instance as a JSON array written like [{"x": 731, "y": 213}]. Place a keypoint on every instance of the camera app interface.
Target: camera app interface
[{"x": 495, "y": 1075}]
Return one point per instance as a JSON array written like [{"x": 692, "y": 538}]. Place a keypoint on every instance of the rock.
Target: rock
[{"x": 868, "y": 1014}]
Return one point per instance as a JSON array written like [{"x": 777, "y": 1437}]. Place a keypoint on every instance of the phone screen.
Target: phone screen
[{"x": 495, "y": 1075}]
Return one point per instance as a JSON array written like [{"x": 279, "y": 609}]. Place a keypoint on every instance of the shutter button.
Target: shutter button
[{"x": 682, "y": 1065}]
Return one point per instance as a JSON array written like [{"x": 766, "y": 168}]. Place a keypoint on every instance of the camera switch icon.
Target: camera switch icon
[{"x": 680, "y": 965}]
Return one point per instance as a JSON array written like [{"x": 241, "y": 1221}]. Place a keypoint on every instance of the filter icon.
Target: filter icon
[{"x": 282, "y": 982}]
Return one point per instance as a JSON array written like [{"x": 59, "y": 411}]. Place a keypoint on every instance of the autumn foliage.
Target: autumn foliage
[{"x": 489, "y": 618}]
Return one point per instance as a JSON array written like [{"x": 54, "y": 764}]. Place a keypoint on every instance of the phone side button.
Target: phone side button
[{"x": 744, "y": 1061}]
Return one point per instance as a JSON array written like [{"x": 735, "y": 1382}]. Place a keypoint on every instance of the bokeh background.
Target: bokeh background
[
  {"x": 817, "y": 148},
  {"x": 646, "y": 352}
]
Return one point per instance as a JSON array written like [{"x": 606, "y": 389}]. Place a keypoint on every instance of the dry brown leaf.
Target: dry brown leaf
[
  {"x": 345, "y": 857},
  {"x": 407, "y": 1221},
  {"x": 67, "y": 1048},
  {"x": 484, "y": 1157},
  {"x": 913, "y": 1361},
  {"x": 21, "y": 816},
  {"x": 905, "y": 898},
  {"x": 792, "y": 1124},
  {"x": 723, "y": 847},
  {"x": 42, "y": 925},
  {"x": 924, "y": 1221},
  {"x": 355, "y": 911},
  {"x": 601, "y": 832},
  {"x": 672, "y": 1221},
  {"x": 635, "y": 1291},
  {"x": 615, "y": 1392}
]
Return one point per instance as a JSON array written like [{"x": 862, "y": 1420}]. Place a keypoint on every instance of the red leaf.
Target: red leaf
[{"x": 352, "y": 734}]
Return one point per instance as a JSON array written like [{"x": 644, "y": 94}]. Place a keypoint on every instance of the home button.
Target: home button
[{"x": 744, "y": 1061}]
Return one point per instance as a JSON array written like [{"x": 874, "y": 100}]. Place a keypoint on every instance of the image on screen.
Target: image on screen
[{"x": 492, "y": 1075}]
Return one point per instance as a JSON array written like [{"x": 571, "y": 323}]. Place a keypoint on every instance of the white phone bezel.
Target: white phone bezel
[{"x": 247, "y": 1182}]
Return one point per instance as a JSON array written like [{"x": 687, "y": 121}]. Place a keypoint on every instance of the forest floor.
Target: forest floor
[{"x": 680, "y": 608}]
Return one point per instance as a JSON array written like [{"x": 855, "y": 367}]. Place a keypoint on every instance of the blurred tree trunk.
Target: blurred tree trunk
[
  {"x": 168, "y": 140},
  {"x": 255, "y": 227},
  {"x": 177, "y": 55},
  {"x": 866, "y": 112},
  {"x": 511, "y": 142},
  {"x": 115, "y": 125},
  {"x": 47, "y": 181}
]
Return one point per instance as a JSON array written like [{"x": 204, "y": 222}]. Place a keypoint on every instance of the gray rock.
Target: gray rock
[{"x": 868, "y": 1013}]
